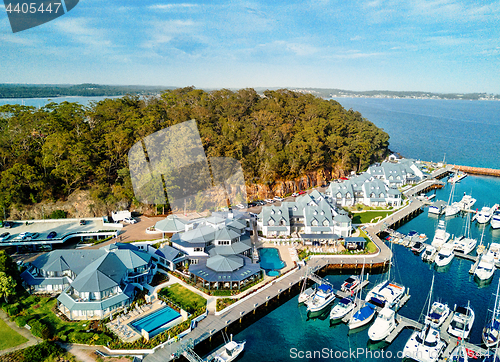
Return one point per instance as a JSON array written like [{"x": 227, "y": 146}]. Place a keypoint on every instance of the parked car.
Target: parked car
[
  {"x": 269, "y": 201},
  {"x": 262, "y": 202},
  {"x": 302, "y": 192},
  {"x": 25, "y": 236},
  {"x": 4, "y": 236},
  {"x": 51, "y": 235},
  {"x": 240, "y": 206},
  {"x": 34, "y": 235},
  {"x": 295, "y": 194},
  {"x": 277, "y": 198},
  {"x": 7, "y": 224},
  {"x": 82, "y": 222},
  {"x": 252, "y": 204},
  {"x": 130, "y": 220}
]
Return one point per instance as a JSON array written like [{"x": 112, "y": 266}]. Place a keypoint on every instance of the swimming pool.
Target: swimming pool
[
  {"x": 270, "y": 259},
  {"x": 154, "y": 322}
]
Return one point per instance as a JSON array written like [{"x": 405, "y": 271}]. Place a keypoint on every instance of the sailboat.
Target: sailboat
[
  {"x": 492, "y": 330},
  {"x": 465, "y": 243},
  {"x": 452, "y": 208},
  {"x": 306, "y": 294},
  {"x": 425, "y": 345},
  {"x": 363, "y": 314}
]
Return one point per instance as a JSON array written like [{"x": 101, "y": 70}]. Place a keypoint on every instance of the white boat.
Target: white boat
[
  {"x": 306, "y": 295},
  {"x": 230, "y": 351},
  {"x": 462, "y": 322},
  {"x": 486, "y": 214},
  {"x": 438, "y": 314},
  {"x": 383, "y": 326},
  {"x": 350, "y": 284},
  {"x": 343, "y": 307},
  {"x": 445, "y": 255},
  {"x": 465, "y": 244},
  {"x": 457, "y": 177},
  {"x": 386, "y": 294},
  {"x": 495, "y": 220},
  {"x": 324, "y": 295},
  {"x": 425, "y": 345},
  {"x": 418, "y": 247},
  {"x": 494, "y": 250},
  {"x": 362, "y": 316},
  {"x": 467, "y": 202},
  {"x": 486, "y": 267},
  {"x": 437, "y": 207},
  {"x": 429, "y": 253},
  {"x": 452, "y": 209},
  {"x": 491, "y": 332},
  {"x": 440, "y": 236}
]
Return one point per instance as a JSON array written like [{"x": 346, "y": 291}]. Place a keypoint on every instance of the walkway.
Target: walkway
[{"x": 32, "y": 340}]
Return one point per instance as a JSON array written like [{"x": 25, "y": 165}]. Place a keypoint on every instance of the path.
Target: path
[{"x": 32, "y": 340}]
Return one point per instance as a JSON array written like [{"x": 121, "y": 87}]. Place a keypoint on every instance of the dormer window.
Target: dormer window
[
  {"x": 314, "y": 222},
  {"x": 381, "y": 194},
  {"x": 326, "y": 223},
  {"x": 339, "y": 195},
  {"x": 271, "y": 222},
  {"x": 282, "y": 222},
  {"x": 372, "y": 195},
  {"x": 348, "y": 195},
  {"x": 272, "y": 212}
]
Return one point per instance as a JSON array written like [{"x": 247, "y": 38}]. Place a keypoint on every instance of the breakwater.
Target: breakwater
[{"x": 478, "y": 170}]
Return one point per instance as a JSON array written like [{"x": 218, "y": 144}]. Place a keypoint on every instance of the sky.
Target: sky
[{"x": 414, "y": 45}]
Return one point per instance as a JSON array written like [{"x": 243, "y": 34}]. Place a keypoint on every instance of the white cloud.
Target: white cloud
[
  {"x": 16, "y": 39},
  {"x": 167, "y": 7},
  {"x": 81, "y": 32},
  {"x": 163, "y": 32}
]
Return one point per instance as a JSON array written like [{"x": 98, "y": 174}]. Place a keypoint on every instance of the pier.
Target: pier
[{"x": 478, "y": 170}]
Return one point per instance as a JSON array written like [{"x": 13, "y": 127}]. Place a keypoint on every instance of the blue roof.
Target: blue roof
[{"x": 325, "y": 288}]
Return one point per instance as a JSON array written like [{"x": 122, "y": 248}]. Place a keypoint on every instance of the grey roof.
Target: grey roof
[
  {"x": 226, "y": 234},
  {"x": 77, "y": 260},
  {"x": 233, "y": 249},
  {"x": 215, "y": 219},
  {"x": 168, "y": 252},
  {"x": 246, "y": 271},
  {"x": 341, "y": 218},
  {"x": 96, "y": 305},
  {"x": 225, "y": 263},
  {"x": 320, "y": 236},
  {"x": 201, "y": 234},
  {"x": 133, "y": 259},
  {"x": 171, "y": 224},
  {"x": 104, "y": 273},
  {"x": 31, "y": 280},
  {"x": 237, "y": 224}
]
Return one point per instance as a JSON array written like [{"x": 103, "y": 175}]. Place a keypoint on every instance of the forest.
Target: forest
[{"x": 48, "y": 153}]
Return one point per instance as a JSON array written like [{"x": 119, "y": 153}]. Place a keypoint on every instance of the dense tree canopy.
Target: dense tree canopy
[{"x": 48, "y": 153}]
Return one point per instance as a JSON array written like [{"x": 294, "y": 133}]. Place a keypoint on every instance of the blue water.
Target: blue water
[
  {"x": 270, "y": 259},
  {"x": 155, "y": 320},
  {"x": 468, "y": 132},
  {"x": 41, "y": 102}
]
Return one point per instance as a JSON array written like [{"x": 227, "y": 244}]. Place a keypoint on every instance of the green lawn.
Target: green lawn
[
  {"x": 368, "y": 216},
  {"x": 42, "y": 310},
  {"x": 183, "y": 297},
  {"x": 8, "y": 337}
]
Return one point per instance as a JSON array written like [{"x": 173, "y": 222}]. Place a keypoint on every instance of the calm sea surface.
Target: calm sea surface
[{"x": 469, "y": 133}]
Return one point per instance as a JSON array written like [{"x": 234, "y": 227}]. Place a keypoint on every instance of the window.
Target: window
[
  {"x": 224, "y": 242},
  {"x": 314, "y": 222},
  {"x": 271, "y": 222},
  {"x": 282, "y": 222},
  {"x": 193, "y": 261},
  {"x": 339, "y": 195},
  {"x": 326, "y": 223},
  {"x": 348, "y": 195},
  {"x": 198, "y": 249}
]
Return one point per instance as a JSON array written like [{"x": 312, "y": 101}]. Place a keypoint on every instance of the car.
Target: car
[
  {"x": 302, "y": 192},
  {"x": 7, "y": 224},
  {"x": 4, "y": 236},
  {"x": 82, "y": 222},
  {"x": 252, "y": 204},
  {"x": 130, "y": 220},
  {"x": 261, "y": 203},
  {"x": 25, "y": 236},
  {"x": 240, "y": 206},
  {"x": 277, "y": 198},
  {"x": 269, "y": 201},
  {"x": 34, "y": 235},
  {"x": 51, "y": 235},
  {"x": 295, "y": 194},
  {"x": 253, "y": 215}
]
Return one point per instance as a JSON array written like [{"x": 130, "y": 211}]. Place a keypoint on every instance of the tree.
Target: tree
[{"x": 7, "y": 286}]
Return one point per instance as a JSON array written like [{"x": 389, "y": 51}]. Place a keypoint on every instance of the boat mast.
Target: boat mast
[{"x": 430, "y": 295}]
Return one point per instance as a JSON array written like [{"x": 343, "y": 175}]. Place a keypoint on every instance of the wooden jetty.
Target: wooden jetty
[{"x": 402, "y": 323}]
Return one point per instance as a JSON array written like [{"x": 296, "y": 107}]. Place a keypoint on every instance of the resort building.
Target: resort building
[
  {"x": 309, "y": 214},
  {"x": 92, "y": 282}
]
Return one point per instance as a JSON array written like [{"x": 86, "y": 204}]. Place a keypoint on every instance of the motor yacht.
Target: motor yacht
[
  {"x": 486, "y": 214},
  {"x": 437, "y": 315},
  {"x": 350, "y": 284},
  {"x": 440, "y": 236},
  {"x": 462, "y": 322},
  {"x": 343, "y": 307},
  {"x": 438, "y": 207},
  {"x": 383, "y": 326},
  {"x": 230, "y": 351},
  {"x": 418, "y": 247},
  {"x": 429, "y": 253},
  {"x": 386, "y": 294},
  {"x": 486, "y": 267},
  {"x": 445, "y": 255},
  {"x": 495, "y": 220},
  {"x": 306, "y": 295},
  {"x": 467, "y": 202},
  {"x": 324, "y": 295},
  {"x": 457, "y": 177},
  {"x": 464, "y": 245},
  {"x": 494, "y": 250}
]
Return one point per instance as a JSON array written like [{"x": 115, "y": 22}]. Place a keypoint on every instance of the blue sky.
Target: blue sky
[{"x": 436, "y": 46}]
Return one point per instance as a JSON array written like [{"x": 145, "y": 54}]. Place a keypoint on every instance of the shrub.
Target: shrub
[
  {"x": 12, "y": 310},
  {"x": 40, "y": 329},
  {"x": 58, "y": 214},
  {"x": 21, "y": 320},
  {"x": 39, "y": 352}
]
